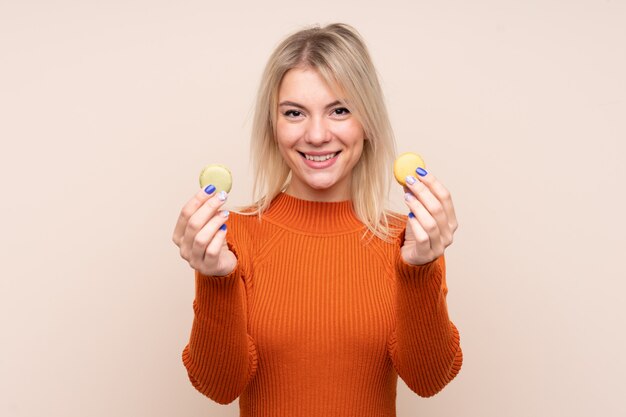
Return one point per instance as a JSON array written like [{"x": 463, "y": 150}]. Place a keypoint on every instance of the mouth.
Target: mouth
[{"x": 319, "y": 158}]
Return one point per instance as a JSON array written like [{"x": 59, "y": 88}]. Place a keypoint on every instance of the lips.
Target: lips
[{"x": 319, "y": 159}]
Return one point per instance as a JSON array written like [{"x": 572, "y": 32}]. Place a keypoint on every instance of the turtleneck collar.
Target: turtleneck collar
[{"x": 314, "y": 217}]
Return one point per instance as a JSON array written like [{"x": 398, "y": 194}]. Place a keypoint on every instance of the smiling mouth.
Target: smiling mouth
[{"x": 319, "y": 158}]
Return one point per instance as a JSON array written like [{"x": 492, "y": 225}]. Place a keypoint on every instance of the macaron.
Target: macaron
[
  {"x": 405, "y": 165},
  {"x": 218, "y": 175}
]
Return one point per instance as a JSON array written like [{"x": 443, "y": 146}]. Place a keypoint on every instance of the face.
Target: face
[{"x": 317, "y": 136}]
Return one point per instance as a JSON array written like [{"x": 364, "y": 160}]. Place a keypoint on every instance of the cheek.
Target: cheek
[
  {"x": 285, "y": 140},
  {"x": 358, "y": 152},
  {"x": 354, "y": 137},
  {"x": 352, "y": 133},
  {"x": 283, "y": 148},
  {"x": 287, "y": 134}
]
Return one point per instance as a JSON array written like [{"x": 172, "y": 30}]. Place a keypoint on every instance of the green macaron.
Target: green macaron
[{"x": 218, "y": 175}]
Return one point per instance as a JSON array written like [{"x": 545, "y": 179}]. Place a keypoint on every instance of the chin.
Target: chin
[
  {"x": 322, "y": 184},
  {"x": 321, "y": 187}
]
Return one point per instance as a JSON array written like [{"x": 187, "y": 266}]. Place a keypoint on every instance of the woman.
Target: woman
[{"x": 312, "y": 301}]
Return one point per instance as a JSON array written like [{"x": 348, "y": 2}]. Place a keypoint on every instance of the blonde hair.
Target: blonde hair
[{"x": 338, "y": 53}]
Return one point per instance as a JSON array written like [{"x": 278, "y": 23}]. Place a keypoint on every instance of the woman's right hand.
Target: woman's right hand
[{"x": 200, "y": 233}]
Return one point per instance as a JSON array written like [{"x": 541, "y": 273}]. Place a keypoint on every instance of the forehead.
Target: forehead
[{"x": 306, "y": 84}]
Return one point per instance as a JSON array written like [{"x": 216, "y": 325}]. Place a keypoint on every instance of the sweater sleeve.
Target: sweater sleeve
[
  {"x": 220, "y": 357},
  {"x": 425, "y": 345}
]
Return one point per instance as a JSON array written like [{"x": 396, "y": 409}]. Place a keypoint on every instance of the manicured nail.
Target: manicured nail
[
  {"x": 223, "y": 227},
  {"x": 410, "y": 179},
  {"x": 210, "y": 189},
  {"x": 421, "y": 171},
  {"x": 225, "y": 213},
  {"x": 222, "y": 195},
  {"x": 408, "y": 196},
  {"x": 411, "y": 215}
]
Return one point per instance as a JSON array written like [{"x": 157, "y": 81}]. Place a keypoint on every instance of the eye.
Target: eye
[
  {"x": 292, "y": 113},
  {"x": 341, "y": 111}
]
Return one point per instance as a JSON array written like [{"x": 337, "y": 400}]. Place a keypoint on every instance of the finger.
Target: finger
[
  {"x": 431, "y": 202},
  {"x": 188, "y": 210},
  {"x": 217, "y": 244},
  {"x": 201, "y": 217},
  {"x": 426, "y": 221},
  {"x": 418, "y": 232},
  {"x": 204, "y": 238},
  {"x": 443, "y": 195},
  {"x": 421, "y": 243}
]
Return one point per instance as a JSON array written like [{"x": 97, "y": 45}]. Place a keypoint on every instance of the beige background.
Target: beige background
[{"x": 109, "y": 109}]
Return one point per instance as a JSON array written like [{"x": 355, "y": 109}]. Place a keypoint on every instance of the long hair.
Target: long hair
[{"x": 338, "y": 53}]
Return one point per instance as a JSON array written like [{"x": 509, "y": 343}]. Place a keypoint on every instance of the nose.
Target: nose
[{"x": 317, "y": 132}]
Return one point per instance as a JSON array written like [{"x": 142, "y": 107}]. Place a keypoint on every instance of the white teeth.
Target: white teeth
[{"x": 320, "y": 158}]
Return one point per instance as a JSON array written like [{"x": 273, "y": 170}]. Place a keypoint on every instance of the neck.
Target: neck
[{"x": 339, "y": 192}]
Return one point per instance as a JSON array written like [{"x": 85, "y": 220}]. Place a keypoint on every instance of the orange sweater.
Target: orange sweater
[{"x": 315, "y": 321}]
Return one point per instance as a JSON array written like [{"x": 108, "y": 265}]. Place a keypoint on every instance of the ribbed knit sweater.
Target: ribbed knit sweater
[{"x": 316, "y": 321}]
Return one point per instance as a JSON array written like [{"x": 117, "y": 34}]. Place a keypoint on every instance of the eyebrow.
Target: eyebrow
[{"x": 294, "y": 104}]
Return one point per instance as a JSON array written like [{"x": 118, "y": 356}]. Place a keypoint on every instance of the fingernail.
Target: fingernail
[
  {"x": 411, "y": 215},
  {"x": 223, "y": 195},
  {"x": 210, "y": 189},
  {"x": 410, "y": 179},
  {"x": 225, "y": 213},
  {"x": 421, "y": 171},
  {"x": 408, "y": 196},
  {"x": 223, "y": 227}
]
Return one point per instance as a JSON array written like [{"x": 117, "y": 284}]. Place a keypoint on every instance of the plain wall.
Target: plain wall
[{"x": 109, "y": 109}]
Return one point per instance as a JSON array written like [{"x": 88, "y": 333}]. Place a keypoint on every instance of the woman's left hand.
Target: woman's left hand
[{"x": 431, "y": 222}]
